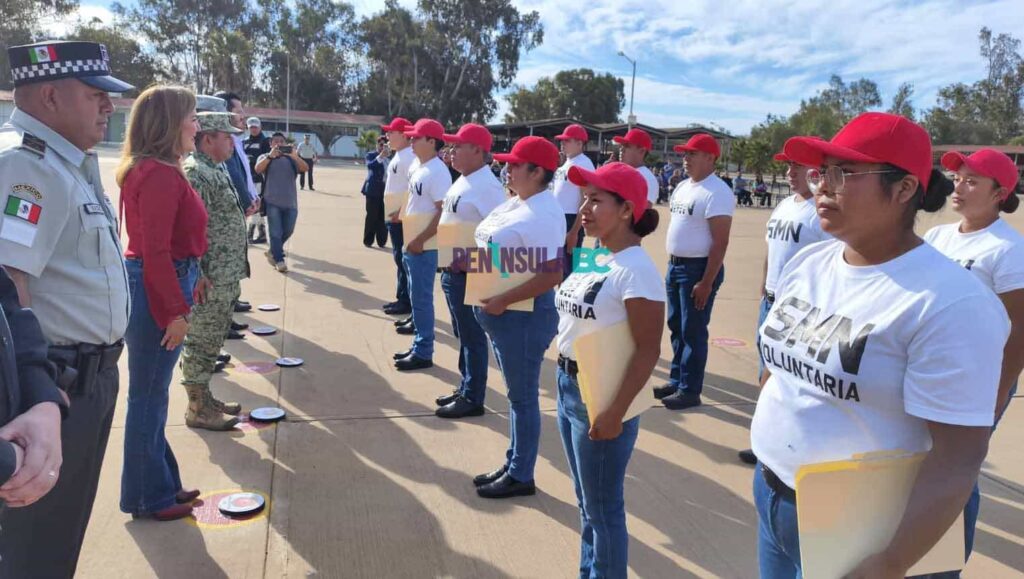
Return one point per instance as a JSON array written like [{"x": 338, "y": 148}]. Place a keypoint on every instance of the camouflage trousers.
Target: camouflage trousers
[{"x": 208, "y": 328}]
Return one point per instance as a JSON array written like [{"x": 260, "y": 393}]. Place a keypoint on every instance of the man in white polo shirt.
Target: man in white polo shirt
[
  {"x": 635, "y": 146},
  {"x": 698, "y": 236},
  {"x": 574, "y": 138},
  {"x": 397, "y": 181}
]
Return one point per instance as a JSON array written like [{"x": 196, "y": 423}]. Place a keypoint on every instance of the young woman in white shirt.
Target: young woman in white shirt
[
  {"x": 991, "y": 249},
  {"x": 866, "y": 347},
  {"x": 531, "y": 220},
  {"x": 616, "y": 211}
]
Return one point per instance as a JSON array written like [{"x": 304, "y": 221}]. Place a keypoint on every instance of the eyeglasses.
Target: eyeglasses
[{"x": 836, "y": 177}]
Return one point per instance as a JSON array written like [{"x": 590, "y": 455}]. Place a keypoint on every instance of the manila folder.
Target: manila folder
[
  {"x": 603, "y": 358},
  {"x": 459, "y": 234},
  {"x": 849, "y": 510},
  {"x": 489, "y": 284},
  {"x": 394, "y": 202},
  {"x": 415, "y": 224}
]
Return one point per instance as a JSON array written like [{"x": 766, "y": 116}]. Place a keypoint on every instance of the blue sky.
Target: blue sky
[{"x": 732, "y": 62}]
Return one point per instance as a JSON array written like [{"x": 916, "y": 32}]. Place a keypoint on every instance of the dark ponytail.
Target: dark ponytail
[
  {"x": 939, "y": 187},
  {"x": 1010, "y": 204},
  {"x": 647, "y": 224}
]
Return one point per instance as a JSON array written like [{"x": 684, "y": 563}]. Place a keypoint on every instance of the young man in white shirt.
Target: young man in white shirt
[
  {"x": 428, "y": 184},
  {"x": 307, "y": 152},
  {"x": 794, "y": 224},
  {"x": 471, "y": 199},
  {"x": 397, "y": 181},
  {"x": 698, "y": 236},
  {"x": 635, "y": 146},
  {"x": 574, "y": 138}
]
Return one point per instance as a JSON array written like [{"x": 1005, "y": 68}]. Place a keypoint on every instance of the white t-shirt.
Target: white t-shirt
[
  {"x": 652, "y": 184},
  {"x": 567, "y": 194},
  {"x": 472, "y": 197},
  {"x": 428, "y": 185},
  {"x": 691, "y": 205},
  {"x": 398, "y": 171},
  {"x": 862, "y": 357},
  {"x": 536, "y": 223},
  {"x": 793, "y": 225},
  {"x": 590, "y": 301},
  {"x": 994, "y": 254}
]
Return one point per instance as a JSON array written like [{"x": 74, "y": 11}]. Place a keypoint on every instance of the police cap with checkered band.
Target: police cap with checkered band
[{"x": 46, "y": 61}]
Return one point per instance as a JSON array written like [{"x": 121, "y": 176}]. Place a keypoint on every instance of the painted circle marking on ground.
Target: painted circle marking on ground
[
  {"x": 255, "y": 367},
  {"x": 206, "y": 512},
  {"x": 269, "y": 308},
  {"x": 290, "y": 362},
  {"x": 266, "y": 414},
  {"x": 264, "y": 330},
  {"x": 728, "y": 342}
]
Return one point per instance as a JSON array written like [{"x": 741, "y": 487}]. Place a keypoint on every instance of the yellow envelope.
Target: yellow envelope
[
  {"x": 487, "y": 285},
  {"x": 603, "y": 358},
  {"x": 848, "y": 510},
  {"x": 394, "y": 202},
  {"x": 452, "y": 235},
  {"x": 415, "y": 224}
]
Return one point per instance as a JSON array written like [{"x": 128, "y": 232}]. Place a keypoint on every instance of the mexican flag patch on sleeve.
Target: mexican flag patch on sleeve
[{"x": 25, "y": 210}]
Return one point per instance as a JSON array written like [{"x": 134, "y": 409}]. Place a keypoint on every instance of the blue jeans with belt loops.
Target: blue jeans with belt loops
[
  {"x": 599, "y": 474},
  {"x": 472, "y": 339},
  {"x": 150, "y": 478},
  {"x": 520, "y": 340}
]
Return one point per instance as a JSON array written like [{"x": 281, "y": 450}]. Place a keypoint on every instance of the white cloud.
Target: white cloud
[{"x": 59, "y": 27}]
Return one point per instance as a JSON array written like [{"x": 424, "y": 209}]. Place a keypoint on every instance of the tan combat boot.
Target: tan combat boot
[
  {"x": 231, "y": 408},
  {"x": 202, "y": 414}
]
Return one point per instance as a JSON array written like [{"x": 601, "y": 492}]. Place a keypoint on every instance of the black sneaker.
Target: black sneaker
[
  {"x": 680, "y": 401},
  {"x": 663, "y": 391}
]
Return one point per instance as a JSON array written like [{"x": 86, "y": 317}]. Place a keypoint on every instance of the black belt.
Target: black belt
[
  {"x": 676, "y": 260},
  {"x": 79, "y": 364},
  {"x": 775, "y": 483},
  {"x": 568, "y": 365},
  {"x": 769, "y": 297}
]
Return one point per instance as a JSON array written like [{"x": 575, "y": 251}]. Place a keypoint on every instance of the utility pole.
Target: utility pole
[
  {"x": 632, "y": 89},
  {"x": 288, "y": 95}
]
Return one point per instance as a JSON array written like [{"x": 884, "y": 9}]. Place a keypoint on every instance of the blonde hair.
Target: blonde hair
[{"x": 154, "y": 128}]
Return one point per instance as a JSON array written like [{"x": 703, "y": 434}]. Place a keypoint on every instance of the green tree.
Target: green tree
[
  {"x": 901, "y": 104},
  {"x": 580, "y": 93},
  {"x": 367, "y": 140},
  {"x": 20, "y": 23},
  {"x": 127, "y": 59}
]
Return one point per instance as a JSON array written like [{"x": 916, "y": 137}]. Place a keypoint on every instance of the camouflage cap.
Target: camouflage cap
[
  {"x": 207, "y": 103},
  {"x": 217, "y": 122}
]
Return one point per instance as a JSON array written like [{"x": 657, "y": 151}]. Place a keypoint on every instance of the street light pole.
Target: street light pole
[
  {"x": 632, "y": 89},
  {"x": 288, "y": 95}
]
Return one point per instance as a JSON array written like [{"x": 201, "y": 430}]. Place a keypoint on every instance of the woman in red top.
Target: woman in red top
[{"x": 166, "y": 224}]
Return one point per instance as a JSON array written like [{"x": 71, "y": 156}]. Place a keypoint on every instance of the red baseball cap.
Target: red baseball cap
[
  {"x": 871, "y": 138},
  {"x": 536, "y": 150},
  {"x": 473, "y": 134},
  {"x": 397, "y": 124},
  {"x": 700, "y": 142},
  {"x": 428, "y": 128},
  {"x": 987, "y": 162},
  {"x": 617, "y": 178},
  {"x": 637, "y": 137},
  {"x": 574, "y": 132}
]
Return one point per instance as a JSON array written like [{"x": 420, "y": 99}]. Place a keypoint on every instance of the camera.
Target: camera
[{"x": 285, "y": 149}]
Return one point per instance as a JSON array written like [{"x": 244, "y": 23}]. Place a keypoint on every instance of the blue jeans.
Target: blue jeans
[
  {"x": 149, "y": 479},
  {"x": 472, "y": 339},
  {"x": 687, "y": 325},
  {"x": 422, "y": 269},
  {"x": 762, "y": 314},
  {"x": 520, "y": 340},
  {"x": 397, "y": 241},
  {"x": 599, "y": 474},
  {"x": 778, "y": 539},
  {"x": 281, "y": 223}
]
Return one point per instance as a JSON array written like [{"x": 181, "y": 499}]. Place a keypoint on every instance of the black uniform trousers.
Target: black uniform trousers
[
  {"x": 309, "y": 172},
  {"x": 44, "y": 539},
  {"x": 374, "y": 227}
]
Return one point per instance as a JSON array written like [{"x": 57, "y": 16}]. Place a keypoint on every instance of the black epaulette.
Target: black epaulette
[{"x": 32, "y": 143}]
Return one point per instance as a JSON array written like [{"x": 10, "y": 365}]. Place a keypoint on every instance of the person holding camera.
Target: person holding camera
[
  {"x": 373, "y": 189},
  {"x": 279, "y": 168}
]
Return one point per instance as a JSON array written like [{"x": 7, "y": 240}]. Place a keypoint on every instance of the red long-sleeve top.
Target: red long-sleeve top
[{"x": 166, "y": 220}]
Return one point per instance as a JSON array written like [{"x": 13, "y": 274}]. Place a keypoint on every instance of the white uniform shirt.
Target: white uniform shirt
[
  {"x": 652, "y": 184},
  {"x": 59, "y": 227},
  {"x": 862, "y": 357},
  {"x": 397, "y": 180},
  {"x": 994, "y": 254},
  {"x": 567, "y": 194},
  {"x": 588, "y": 302},
  {"x": 428, "y": 185},
  {"x": 472, "y": 197},
  {"x": 794, "y": 224},
  {"x": 691, "y": 205},
  {"x": 537, "y": 223}
]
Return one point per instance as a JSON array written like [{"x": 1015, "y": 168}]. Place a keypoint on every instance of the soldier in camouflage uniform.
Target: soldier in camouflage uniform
[{"x": 225, "y": 264}]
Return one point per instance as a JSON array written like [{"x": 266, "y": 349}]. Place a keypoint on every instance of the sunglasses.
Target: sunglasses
[{"x": 836, "y": 177}]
